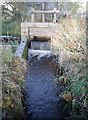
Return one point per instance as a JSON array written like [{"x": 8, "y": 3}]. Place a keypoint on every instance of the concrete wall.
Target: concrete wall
[
  {"x": 34, "y": 29},
  {"x": 37, "y": 29},
  {"x": 20, "y": 49}
]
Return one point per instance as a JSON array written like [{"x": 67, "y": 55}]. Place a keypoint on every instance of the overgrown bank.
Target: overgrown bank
[
  {"x": 70, "y": 48},
  {"x": 13, "y": 76}
]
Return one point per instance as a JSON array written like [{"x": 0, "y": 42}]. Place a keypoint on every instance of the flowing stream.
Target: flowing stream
[{"x": 41, "y": 99}]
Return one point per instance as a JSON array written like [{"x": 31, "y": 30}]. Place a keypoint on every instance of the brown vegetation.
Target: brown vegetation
[
  {"x": 70, "y": 48},
  {"x": 13, "y": 75}
]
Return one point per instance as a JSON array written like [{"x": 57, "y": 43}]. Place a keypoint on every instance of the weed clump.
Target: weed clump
[
  {"x": 70, "y": 47},
  {"x": 13, "y": 75}
]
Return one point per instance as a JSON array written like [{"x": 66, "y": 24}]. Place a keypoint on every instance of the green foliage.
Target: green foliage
[
  {"x": 11, "y": 28},
  {"x": 6, "y": 53},
  {"x": 11, "y": 21},
  {"x": 9, "y": 15},
  {"x": 25, "y": 53},
  {"x": 73, "y": 7}
]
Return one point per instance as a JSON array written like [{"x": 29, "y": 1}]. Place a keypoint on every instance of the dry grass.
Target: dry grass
[
  {"x": 70, "y": 38},
  {"x": 13, "y": 74},
  {"x": 69, "y": 43}
]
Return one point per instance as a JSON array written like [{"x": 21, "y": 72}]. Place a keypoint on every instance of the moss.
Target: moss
[{"x": 25, "y": 53}]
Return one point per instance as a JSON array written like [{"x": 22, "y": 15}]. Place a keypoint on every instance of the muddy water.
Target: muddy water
[{"x": 41, "y": 90}]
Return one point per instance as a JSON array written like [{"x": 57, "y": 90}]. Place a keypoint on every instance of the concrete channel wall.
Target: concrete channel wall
[
  {"x": 20, "y": 49},
  {"x": 31, "y": 29},
  {"x": 38, "y": 29}
]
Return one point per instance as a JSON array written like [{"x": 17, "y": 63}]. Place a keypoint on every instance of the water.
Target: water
[
  {"x": 39, "y": 45},
  {"x": 41, "y": 89}
]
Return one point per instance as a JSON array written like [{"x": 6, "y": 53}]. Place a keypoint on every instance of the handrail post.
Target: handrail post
[
  {"x": 32, "y": 15},
  {"x": 55, "y": 16},
  {"x": 43, "y": 16}
]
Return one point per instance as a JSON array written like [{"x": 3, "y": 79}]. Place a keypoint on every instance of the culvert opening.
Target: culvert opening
[{"x": 40, "y": 43}]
